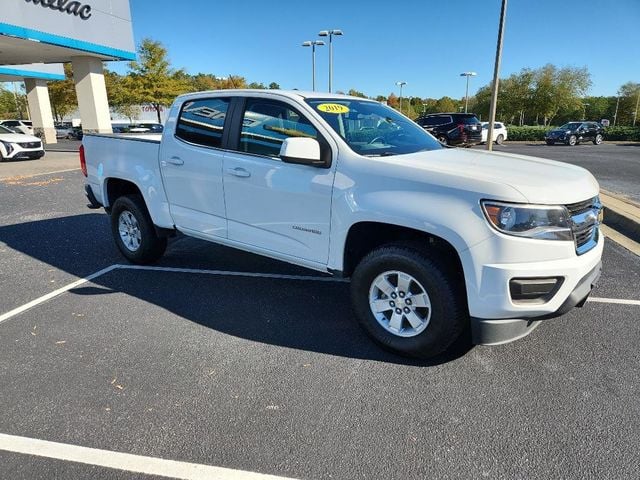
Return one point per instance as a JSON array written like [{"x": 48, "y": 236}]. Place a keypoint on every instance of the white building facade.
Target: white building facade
[{"x": 37, "y": 36}]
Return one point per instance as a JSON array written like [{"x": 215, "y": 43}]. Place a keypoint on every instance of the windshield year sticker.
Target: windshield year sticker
[{"x": 334, "y": 108}]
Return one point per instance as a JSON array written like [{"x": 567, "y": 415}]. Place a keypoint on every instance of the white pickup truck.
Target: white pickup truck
[{"x": 437, "y": 241}]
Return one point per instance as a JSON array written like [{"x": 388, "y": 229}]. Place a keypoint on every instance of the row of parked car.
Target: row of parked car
[
  {"x": 461, "y": 128},
  {"x": 465, "y": 129}
]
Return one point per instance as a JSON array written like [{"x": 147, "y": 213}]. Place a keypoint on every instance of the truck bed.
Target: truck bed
[{"x": 131, "y": 158}]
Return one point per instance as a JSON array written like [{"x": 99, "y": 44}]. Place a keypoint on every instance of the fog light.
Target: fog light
[{"x": 534, "y": 290}]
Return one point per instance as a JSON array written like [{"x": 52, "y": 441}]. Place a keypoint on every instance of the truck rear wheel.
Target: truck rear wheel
[
  {"x": 407, "y": 302},
  {"x": 134, "y": 232}
]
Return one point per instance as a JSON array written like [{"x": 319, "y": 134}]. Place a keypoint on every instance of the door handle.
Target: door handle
[
  {"x": 172, "y": 161},
  {"x": 239, "y": 172}
]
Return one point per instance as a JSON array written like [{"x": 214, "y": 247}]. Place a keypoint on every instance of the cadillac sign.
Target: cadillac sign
[{"x": 65, "y": 6}]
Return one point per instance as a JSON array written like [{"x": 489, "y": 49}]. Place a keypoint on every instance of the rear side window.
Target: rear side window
[
  {"x": 267, "y": 123},
  {"x": 469, "y": 120},
  {"x": 202, "y": 121},
  {"x": 436, "y": 120}
]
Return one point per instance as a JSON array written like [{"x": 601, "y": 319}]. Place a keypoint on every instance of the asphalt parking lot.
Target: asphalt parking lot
[
  {"x": 615, "y": 165},
  {"x": 222, "y": 358}
]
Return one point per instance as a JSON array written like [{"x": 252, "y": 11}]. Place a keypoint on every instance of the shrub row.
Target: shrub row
[{"x": 533, "y": 133}]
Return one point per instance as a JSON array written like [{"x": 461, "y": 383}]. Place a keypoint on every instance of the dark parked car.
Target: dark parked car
[
  {"x": 453, "y": 128},
  {"x": 573, "y": 133}
]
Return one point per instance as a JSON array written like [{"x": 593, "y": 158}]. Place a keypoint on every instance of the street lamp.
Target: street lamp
[
  {"x": 330, "y": 34},
  {"x": 466, "y": 95},
  {"x": 424, "y": 108},
  {"x": 312, "y": 44},
  {"x": 496, "y": 75},
  {"x": 401, "y": 84}
]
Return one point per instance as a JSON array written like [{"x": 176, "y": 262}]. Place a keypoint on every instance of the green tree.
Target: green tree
[
  {"x": 120, "y": 94},
  {"x": 355, "y": 93},
  {"x": 274, "y": 86},
  {"x": 153, "y": 81},
  {"x": 62, "y": 94},
  {"x": 13, "y": 102},
  {"x": 629, "y": 96}
]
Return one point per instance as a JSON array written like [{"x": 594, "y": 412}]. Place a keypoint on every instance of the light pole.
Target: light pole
[
  {"x": 401, "y": 84},
  {"x": 496, "y": 76},
  {"x": 466, "y": 95},
  {"x": 635, "y": 114},
  {"x": 312, "y": 44},
  {"x": 330, "y": 34},
  {"x": 584, "y": 111},
  {"x": 615, "y": 115},
  {"x": 424, "y": 108}
]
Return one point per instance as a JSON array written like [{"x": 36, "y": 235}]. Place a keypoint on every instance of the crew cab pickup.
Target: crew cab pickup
[{"x": 437, "y": 241}]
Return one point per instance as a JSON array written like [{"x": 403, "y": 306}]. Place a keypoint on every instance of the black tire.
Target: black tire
[
  {"x": 598, "y": 139},
  {"x": 500, "y": 139},
  {"x": 443, "y": 139},
  {"x": 151, "y": 247},
  {"x": 448, "y": 312},
  {"x": 550, "y": 142},
  {"x": 572, "y": 140}
]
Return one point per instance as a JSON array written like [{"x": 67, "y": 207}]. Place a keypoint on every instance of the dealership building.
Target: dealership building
[{"x": 38, "y": 36}]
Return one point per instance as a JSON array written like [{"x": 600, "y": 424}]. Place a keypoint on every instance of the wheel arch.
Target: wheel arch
[{"x": 365, "y": 236}]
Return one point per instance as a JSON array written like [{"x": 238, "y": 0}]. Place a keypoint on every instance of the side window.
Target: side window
[
  {"x": 267, "y": 123},
  {"x": 201, "y": 121}
]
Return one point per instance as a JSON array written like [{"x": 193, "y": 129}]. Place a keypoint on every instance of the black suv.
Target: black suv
[
  {"x": 573, "y": 133},
  {"x": 453, "y": 128}
]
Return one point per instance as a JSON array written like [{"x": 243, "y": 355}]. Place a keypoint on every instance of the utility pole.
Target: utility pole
[
  {"x": 496, "y": 75},
  {"x": 635, "y": 114},
  {"x": 615, "y": 115}
]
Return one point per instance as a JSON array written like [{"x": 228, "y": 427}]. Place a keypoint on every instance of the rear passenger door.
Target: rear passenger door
[
  {"x": 272, "y": 205},
  {"x": 191, "y": 163}
]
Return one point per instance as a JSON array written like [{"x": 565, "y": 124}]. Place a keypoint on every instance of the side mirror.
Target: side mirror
[{"x": 302, "y": 151}]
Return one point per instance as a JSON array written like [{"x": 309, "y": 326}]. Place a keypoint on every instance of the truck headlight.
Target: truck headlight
[{"x": 542, "y": 222}]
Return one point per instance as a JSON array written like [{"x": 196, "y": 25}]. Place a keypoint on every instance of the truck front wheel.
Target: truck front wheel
[
  {"x": 133, "y": 230},
  {"x": 408, "y": 302}
]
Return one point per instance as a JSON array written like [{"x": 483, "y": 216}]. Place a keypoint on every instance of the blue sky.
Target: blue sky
[{"x": 425, "y": 43}]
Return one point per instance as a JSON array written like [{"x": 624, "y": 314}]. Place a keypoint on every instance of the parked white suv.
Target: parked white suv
[
  {"x": 436, "y": 240},
  {"x": 14, "y": 146},
  {"x": 20, "y": 126},
  {"x": 499, "y": 132}
]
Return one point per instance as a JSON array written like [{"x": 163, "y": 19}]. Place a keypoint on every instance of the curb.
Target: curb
[{"x": 621, "y": 215}]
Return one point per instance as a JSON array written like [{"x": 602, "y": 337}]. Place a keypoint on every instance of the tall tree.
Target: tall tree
[
  {"x": 62, "y": 94},
  {"x": 121, "y": 97},
  {"x": 629, "y": 96},
  {"x": 153, "y": 81}
]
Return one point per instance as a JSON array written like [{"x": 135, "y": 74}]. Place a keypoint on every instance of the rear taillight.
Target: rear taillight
[{"x": 83, "y": 161}]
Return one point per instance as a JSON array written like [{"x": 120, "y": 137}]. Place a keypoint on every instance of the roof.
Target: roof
[{"x": 295, "y": 94}]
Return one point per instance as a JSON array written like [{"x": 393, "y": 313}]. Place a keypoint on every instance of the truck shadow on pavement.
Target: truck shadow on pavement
[{"x": 299, "y": 314}]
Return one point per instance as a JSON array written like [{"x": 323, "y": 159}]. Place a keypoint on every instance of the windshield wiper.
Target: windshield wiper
[{"x": 383, "y": 154}]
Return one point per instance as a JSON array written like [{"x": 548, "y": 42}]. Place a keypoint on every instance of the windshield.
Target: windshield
[
  {"x": 5, "y": 130},
  {"x": 570, "y": 126},
  {"x": 27, "y": 123},
  {"x": 373, "y": 129}
]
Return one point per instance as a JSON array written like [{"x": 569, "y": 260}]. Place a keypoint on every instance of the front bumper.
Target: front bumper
[{"x": 495, "y": 332}]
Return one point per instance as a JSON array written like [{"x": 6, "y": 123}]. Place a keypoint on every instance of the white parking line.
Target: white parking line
[
  {"x": 614, "y": 300},
  {"x": 55, "y": 293},
  {"x": 223, "y": 273},
  {"x": 227, "y": 273},
  {"x": 125, "y": 461}
]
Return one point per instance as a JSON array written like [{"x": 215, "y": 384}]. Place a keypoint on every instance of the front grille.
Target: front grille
[
  {"x": 30, "y": 144},
  {"x": 584, "y": 223},
  {"x": 581, "y": 207}
]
